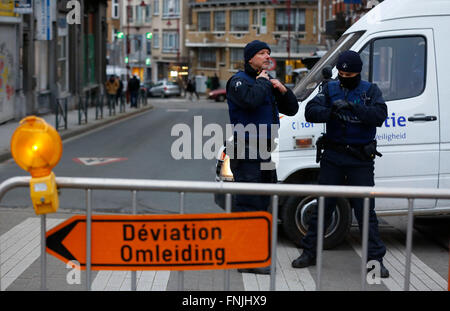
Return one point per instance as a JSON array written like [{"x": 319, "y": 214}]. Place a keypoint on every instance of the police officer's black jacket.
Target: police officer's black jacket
[
  {"x": 355, "y": 125},
  {"x": 255, "y": 101}
]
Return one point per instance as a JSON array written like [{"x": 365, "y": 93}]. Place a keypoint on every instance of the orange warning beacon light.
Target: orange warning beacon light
[{"x": 37, "y": 147}]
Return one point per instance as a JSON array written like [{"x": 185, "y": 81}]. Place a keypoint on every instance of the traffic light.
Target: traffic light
[
  {"x": 120, "y": 35},
  {"x": 148, "y": 61},
  {"x": 148, "y": 36},
  {"x": 126, "y": 59}
]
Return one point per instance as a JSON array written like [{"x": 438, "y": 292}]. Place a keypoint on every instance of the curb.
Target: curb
[{"x": 4, "y": 156}]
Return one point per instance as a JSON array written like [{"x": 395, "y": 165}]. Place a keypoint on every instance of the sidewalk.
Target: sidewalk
[{"x": 73, "y": 128}]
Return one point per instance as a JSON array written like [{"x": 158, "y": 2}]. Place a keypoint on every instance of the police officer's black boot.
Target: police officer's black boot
[
  {"x": 263, "y": 270},
  {"x": 305, "y": 260},
  {"x": 384, "y": 272}
]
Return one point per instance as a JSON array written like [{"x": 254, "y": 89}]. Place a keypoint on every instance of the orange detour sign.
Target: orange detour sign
[{"x": 166, "y": 242}]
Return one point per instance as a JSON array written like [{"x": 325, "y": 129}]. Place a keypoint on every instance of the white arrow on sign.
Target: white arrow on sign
[{"x": 98, "y": 161}]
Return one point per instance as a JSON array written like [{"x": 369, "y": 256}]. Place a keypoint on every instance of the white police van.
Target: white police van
[{"x": 405, "y": 49}]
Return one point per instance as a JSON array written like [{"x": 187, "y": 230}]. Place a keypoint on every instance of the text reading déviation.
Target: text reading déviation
[{"x": 188, "y": 248}]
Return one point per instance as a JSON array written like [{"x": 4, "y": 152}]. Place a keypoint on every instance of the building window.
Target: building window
[
  {"x": 171, "y": 8},
  {"x": 239, "y": 20},
  {"x": 149, "y": 47},
  {"x": 148, "y": 13},
  {"x": 207, "y": 58},
  {"x": 236, "y": 58},
  {"x": 156, "y": 7},
  {"x": 129, "y": 14},
  {"x": 115, "y": 9},
  {"x": 170, "y": 42},
  {"x": 137, "y": 43},
  {"x": 204, "y": 21},
  {"x": 297, "y": 20},
  {"x": 62, "y": 69},
  {"x": 139, "y": 14},
  {"x": 219, "y": 21},
  {"x": 156, "y": 40}
]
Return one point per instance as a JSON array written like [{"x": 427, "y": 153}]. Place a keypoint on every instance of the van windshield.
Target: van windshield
[{"x": 310, "y": 82}]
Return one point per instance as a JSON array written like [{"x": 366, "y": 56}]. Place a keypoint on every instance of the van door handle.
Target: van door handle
[{"x": 422, "y": 118}]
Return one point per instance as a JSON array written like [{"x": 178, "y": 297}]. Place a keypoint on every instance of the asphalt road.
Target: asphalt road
[{"x": 143, "y": 144}]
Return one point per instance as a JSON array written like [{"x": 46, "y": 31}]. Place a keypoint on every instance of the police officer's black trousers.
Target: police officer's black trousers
[
  {"x": 250, "y": 171},
  {"x": 348, "y": 174}
]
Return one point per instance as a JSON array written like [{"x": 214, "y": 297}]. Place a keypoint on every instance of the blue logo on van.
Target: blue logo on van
[{"x": 393, "y": 121}]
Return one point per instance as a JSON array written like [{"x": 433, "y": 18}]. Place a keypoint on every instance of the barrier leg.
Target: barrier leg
[
  {"x": 43, "y": 254},
  {"x": 273, "y": 265},
  {"x": 365, "y": 242},
  {"x": 227, "y": 272},
  {"x": 133, "y": 273},
  {"x": 88, "y": 237},
  {"x": 320, "y": 242},
  {"x": 181, "y": 273},
  {"x": 409, "y": 237}
]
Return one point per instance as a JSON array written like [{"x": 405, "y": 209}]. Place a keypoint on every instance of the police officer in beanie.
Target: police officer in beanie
[
  {"x": 255, "y": 99},
  {"x": 351, "y": 109}
]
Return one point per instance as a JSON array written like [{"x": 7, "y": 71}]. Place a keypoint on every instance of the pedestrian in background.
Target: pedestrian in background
[
  {"x": 191, "y": 88},
  {"x": 256, "y": 98},
  {"x": 351, "y": 109},
  {"x": 215, "y": 82},
  {"x": 133, "y": 86},
  {"x": 119, "y": 92},
  {"x": 112, "y": 85}
]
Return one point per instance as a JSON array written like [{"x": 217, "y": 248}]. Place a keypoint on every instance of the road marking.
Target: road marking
[
  {"x": 121, "y": 281},
  {"x": 176, "y": 110},
  {"x": 20, "y": 247},
  {"x": 287, "y": 278},
  {"x": 98, "y": 161},
  {"x": 422, "y": 277}
]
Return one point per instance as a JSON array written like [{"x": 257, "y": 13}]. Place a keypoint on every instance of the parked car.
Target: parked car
[
  {"x": 148, "y": 85},
  {"x": 299, "y": 74},
  {"x": 218, "y": 95},
  {"x": 165, "y": 88}
]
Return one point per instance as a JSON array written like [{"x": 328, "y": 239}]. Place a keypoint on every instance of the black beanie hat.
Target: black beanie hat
[
  {"x": 254, "y": 47},
  {"x": 349, "y": 61}
]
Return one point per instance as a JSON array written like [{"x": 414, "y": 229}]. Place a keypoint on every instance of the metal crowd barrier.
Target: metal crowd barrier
[
  {"x": 61, "y": 113},
  {"x": 99, "y": 106},
  {"x": 227, "y": 188},
  {"x": 83, "y": 109}
]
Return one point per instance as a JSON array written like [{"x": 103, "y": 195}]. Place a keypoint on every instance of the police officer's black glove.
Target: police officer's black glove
[
  {"x": 339, "y": 115},
  {"x": 339, "y": 105}
]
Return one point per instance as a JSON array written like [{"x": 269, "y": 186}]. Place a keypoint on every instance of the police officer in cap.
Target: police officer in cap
[
  {"x": 351, "y": 109},
  {"x": 255, "y": 99}
]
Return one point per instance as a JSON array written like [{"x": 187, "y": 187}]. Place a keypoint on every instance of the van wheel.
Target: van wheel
[{"x": 298, "y": 210}]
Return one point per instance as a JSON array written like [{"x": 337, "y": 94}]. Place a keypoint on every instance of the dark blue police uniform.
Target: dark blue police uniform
[
  {"x": 255, "y": 101},
  {"x": 351, "y": 114},
  {"x": 340, "y": 166}
]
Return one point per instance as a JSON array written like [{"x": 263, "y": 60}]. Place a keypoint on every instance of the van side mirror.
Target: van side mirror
[{"x": 327, "y": 72}]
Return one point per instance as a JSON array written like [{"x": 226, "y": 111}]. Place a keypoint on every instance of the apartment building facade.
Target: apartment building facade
[
  {"x": 339, "y": 15},
  {"x": 132, "y": 39},
  {"x": 44, "y": 58},
  {"x": 218, "y": 31},
  {"x": 169, "y": 54},
  {"x": 153, "y": 34}
]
